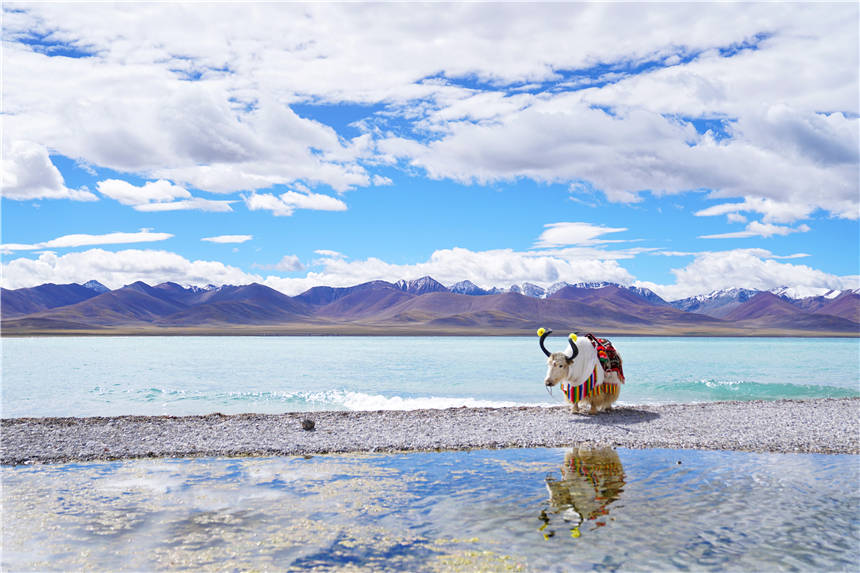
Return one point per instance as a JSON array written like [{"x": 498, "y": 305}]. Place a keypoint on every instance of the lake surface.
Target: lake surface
[
  {"x": 529, "y": 509},
  {"x": 99, "y": 376}
]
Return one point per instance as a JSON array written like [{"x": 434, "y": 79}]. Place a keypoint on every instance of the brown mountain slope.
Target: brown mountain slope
[
  {"x": 768, "y": 310},
  {"x": 25, "y": 301},
  {"x": 846, "y": 305},
  {"x": 248, "y": 304},
  {"x": 515, "y": 310},
  {"x": 619, "y": 300},
  {"x": 365, "y": 301},
  {"x": 125, "y": 306}
]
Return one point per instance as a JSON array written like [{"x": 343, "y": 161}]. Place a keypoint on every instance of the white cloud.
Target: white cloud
[
  {"x": 28, "y": 173},
  {"x": 286, "y": 203},
  {"x": 756, "y": 229},
  {"x": 564, "y": 234},
  {"x": 561, "y": 138},
  {"x": 747, "y": 268},
  {"x": 485, "y": 268},
  {"x": 131, "y": 107},
  {"x": 116, "y": 269},
  {"x": 501, "y": 268},
  {"x": 773, "y": 211},
  {"x": 228, "y": 239},
  {"x": 328, "y": 253},
  {"x": 315, "y": 201},
  {"x": 151, "y": 192},
  {"x": 157, "y": 196},
  {"x": 140, "y": 117},
  {"x": 85, "y": 240},
  {"x": 288, "y": 263},
  {"x": 195, "y": 203}
]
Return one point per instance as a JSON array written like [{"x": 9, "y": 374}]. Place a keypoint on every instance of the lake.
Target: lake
[{"x": 100, "y": 376}]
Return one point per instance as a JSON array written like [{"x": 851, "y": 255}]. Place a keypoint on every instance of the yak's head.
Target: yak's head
[{"x": 558, "y": 363}]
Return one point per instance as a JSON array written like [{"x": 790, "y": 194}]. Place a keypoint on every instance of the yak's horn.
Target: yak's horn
[
  {"x": 572, "y": 340},
  {"x": 543, "y": 333}
]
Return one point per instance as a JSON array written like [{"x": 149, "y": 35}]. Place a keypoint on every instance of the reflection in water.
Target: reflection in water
[
  {"x": 591, "y": 479},
  {"x": 447, "y": 511}
]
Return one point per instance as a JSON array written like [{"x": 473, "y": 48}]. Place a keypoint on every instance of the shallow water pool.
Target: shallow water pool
[{"x": 522, "y": 509}]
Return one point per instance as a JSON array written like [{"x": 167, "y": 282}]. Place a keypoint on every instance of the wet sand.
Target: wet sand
[{"x": 830, "y": 426}]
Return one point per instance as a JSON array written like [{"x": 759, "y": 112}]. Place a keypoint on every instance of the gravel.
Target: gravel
[{"x": 829, "y": 426}]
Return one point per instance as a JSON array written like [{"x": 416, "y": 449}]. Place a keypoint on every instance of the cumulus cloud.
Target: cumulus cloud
[
  {"x": 195, "y": 203},
  {"x": 756, "y": 229},
  {"x": 185, "y": 108},
  {"x": 228, "y": 239},
  {"x": 773, "y": 211},
  {"x": 563, "y": 234},
  {"x": 485, "y": 268},
  {"x": 500, "y": 268},
  {"x": 289, "y": 263},
  {"x": 747, "y": 268},
  {"x": 85, "y": 240},
  {"x": 563, "y": 138},
  {"x": 29, "y": 173},
  {"x": 285, "y": 204},
  {"x": 328, "y": 253},
  {"x": 158, "y": 195},
  {"x": 154, "y": 191},
  {"x": 116, "y": 269}
]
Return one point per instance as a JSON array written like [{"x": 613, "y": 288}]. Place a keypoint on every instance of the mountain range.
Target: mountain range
[{"x": 422, "y": 306}]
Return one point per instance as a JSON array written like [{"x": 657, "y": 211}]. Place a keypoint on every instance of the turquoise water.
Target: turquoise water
[
  {"x": 98, "y": 376},
  {"x": 530, "y": 510}
]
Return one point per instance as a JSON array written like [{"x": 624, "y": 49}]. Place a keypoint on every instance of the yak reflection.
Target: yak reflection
[{"x": 591, "y": 479}]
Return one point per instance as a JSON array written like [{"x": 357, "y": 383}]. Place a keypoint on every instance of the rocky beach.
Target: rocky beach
[{"x": 830, "y": 426}]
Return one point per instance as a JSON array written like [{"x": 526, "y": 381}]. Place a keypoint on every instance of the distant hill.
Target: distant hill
[
  {"x": 846, "y": 305},
  {"x": 43, "y": 297},
  {"x": 717, "y": 304},
  {"x": 422, "y": 306},
  {"x": 767, "y": 309},
  {"x": 424, "y": 285}
]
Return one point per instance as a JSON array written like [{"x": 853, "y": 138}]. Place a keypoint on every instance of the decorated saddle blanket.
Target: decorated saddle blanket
[
  {"x": 588, "y": 388},
  {"x": 610, "y": 360}
]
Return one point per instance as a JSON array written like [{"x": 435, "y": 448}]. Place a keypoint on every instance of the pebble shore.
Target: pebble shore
[{"x": 829, "y": 426}]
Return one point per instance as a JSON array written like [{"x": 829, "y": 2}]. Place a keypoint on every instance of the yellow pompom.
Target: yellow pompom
[
  {"x": 541, "y": 331},
  {"x": 573, "y": 337},
  {"x": 575, "y": 532}
]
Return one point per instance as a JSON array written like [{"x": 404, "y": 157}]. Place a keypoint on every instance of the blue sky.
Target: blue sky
[{"x": 685, "y": 148}]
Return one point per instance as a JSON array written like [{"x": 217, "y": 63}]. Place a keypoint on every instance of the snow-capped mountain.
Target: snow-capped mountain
[
  {"x": 529, "y": 289},
  {"x": 96, "y": 286},
  {"x": 555, "y": 287},
  {"x": 721, "y": 303},
  {"x": 798, "y": 293},
  {"x": 649, "y": 295},
  {"x": 467, "y": 287},
  {"x": 423, "y": 285},
  {"x": 600, "y": 305},
  {"x": 718, "y": 303}
]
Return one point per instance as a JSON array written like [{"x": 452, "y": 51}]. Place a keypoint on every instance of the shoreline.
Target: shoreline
[
  {"x": 384, "y": 331},
  {"x": 826, "y": 426}
]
